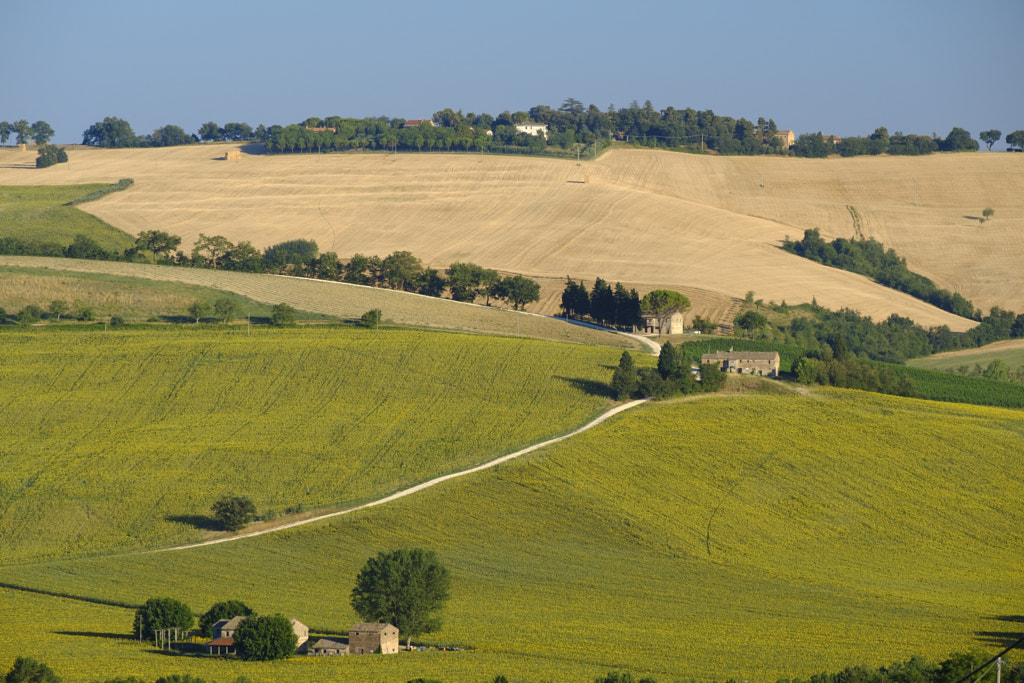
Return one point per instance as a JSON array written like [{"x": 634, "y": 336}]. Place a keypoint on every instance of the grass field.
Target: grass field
[
  {"x": 751, "y": 536},
  {"x": 133, "y": 299},
  {"x": 124, "y": 439},
  {"x": 340, "y": 300},
  {"x": 1010, "y": 352},
  {"x": 701, "y": 224},
  {"x": 39, "y": 214}
]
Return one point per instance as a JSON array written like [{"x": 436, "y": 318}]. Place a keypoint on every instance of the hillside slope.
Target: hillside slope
[
  {"x": 646, "y": 218},
  {"x": 749, "y": 537}
]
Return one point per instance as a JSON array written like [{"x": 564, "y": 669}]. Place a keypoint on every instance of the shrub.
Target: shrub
[
  {"x": 371, "y": 318},
  {"x": 265, "y": 638},
  {"x": 282, "y": 315},
  {"x": 234, "y": 512},
  {"x": 28, "y": 670},
  {"x": 160, "y": 613},
  {"x": 116, "y": 321}
]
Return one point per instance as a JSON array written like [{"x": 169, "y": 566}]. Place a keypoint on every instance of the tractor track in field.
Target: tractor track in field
[{"x": 412, "y": 489}]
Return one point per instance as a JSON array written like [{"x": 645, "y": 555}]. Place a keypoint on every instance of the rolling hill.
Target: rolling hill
[{"x": 703, "y": 225}]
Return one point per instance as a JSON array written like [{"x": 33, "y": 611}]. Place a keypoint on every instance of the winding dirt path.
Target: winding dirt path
[{"x": 413, "y": 489}]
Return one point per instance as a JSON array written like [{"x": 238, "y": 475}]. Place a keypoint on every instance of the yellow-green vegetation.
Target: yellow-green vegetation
[
  {"x": 118, "y": 440},
  {"x": 752, "y": 536},
  {"x": 39, "y": 214},
  {"x": 975, "y": 361},
  {"x": 134, "y": 299}
]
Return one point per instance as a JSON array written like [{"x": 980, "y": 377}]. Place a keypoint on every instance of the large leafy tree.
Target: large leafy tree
[
  {"x": 160, "y": 613},
  {"x": 518, "y": 291},
  {"x": 28, "y": 670},
  {"x": 406, "y": 588},
  {"x": 227, "y": 609},
  {"x": 990, "y": 137},
  {"x": 265, "y": 638},
  {"x": 402, "y": 271},
  {"x": 158, "y": 242},
  {"x": 233, "y": 512},
  {"x": 5, "y": 133},
  {"x": 211, "y": 248},
  {"x": 110, "y": 132},
  {"x": 22, "y": 130},
  {"x": 1015, "y": 139},
  {"x": 41, "y": 132},
  {"x": 663, "y": 304},
  {"x": 958, "y": 140}
]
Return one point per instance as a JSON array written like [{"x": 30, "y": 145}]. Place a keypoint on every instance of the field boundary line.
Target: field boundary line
[{"x": 417, "y": 488}]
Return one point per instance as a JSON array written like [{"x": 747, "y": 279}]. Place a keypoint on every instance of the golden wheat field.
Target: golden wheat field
[{"x": 708, "y": 226}]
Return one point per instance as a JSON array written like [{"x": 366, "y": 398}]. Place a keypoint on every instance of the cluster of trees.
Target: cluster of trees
[
  {"x": 672, "y": 377},
  {"x": 39, "y": 132},
  {"x": 57, "y": 309},
  {"x": 869, "y": 257},
  {"x": 114, "y": 132},
  {"x": 816, "y": 145},
  {"x": 614, "y": 307},
  {"x": 996, "y": 369},
  {"x": 50, "y": 155},
  {"x": 835, "y": 366}
]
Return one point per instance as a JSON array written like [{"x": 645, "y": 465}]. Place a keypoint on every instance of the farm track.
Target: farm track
[{"x": 412, "y": 489}]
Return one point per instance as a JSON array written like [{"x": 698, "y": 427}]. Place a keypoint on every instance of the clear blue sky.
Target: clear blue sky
[{"x": 844, "y": 68}]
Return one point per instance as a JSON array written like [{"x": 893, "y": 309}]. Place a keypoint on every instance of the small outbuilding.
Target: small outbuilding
[
  {"x": 364, "y": 639},
  {"x": 222, "y": 646},
  {"x": 327, "y": 647},
  {"x": 674, "y": 325}
]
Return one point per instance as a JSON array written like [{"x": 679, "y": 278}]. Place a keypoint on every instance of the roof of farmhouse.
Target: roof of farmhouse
[{"x": 742, "y": 355}]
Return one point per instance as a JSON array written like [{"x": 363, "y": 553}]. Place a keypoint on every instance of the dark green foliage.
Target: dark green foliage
[
  {"x": 28, "y": 670},
  {"x": 371, "y": 318},
  {"x": 625, "y": 380},
  {"x": 234, "y": 512},
  {"x": 295, "y": 253},
  {"x": 958, "y": 140},
  {"x": 402, "y": 271},
  {"x": 668, "y": 361},
  {"x": 936, "y": 385},
  {"x": 813, "y": 145},
  {"x": 518, "y": 291},
  {"x": 125, "y": 679},
  {"x": 158, "y": 242},
  {"x": 110, "y": 132},
  {"x": 870, "y": 258},
  {"x": 30, "y": 315},
  {"x": 575, "y": 300},
  {"x": 160, "y": 613},
  {"x": 265, "y": 638},
  {"x": 282, "y": 315},
  {"x": 406, "y": 588},
  {"x": 226, "y": 308},
  {"x": 751, "y": 322},
  {"x": 116, "y": 321},
  {"x": 179, "y": 678},
  {"x": 622, "y": 677},
  {"x": 198, "y": 309},
  {"x": 990, "y": 137},
  {"x": 122, "y": 184},
  {"x": 227, "y": 609},
  {"x": 711, "y": 378},
  {"x": 1015, "y": 140},
  {"x": 50, "y": 155},
  {"x": 85, "y": 247},
  {"x": 467, "y": 281},
  {"x": 42, "y": 132},
  {"x": 169, "y": 136}
]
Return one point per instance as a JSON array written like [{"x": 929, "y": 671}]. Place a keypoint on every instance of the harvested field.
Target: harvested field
[{"x": 646, "y": 218}]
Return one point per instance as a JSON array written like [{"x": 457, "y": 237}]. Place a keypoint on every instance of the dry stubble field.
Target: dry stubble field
[{"x": 701, "y": 224}]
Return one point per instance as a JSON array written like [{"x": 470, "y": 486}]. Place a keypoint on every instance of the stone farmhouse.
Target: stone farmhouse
[
  {"x": 763, "y": 363},
  {"x": 363, "y": 639},
  {"x": 412, "y": 123},
  {"x": 786, "y": 137},
  {"x": 652, "y": 324},
  {"x": 223, "y": 642}
]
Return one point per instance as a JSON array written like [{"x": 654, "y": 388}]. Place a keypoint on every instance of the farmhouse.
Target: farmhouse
[
  {"x": 763, "y": 363},
  {"x": 786, "y": 137},
  {"x": 225, "y": 628},
  {"x": 369, "y": 638},
  {"x": 532, "y": 128},
  {"x": 412, "y": 123},
  {"x": 674, "y": 325},
  {"x": 224, "y": 635}
]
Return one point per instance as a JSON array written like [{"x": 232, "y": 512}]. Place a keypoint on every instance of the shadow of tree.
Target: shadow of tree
[
  {"x": 590, "y": 386},
  {"x": 201, "y": 522},
  {"x": 1002, "y": 639},
  {"x": 91, "y": 634}
]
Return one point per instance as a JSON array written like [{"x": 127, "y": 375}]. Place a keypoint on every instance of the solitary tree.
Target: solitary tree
[
  {"x": 990, "y": 137},
  {"x": 265, "y": 638},
  {"x": 625, "y": 380},
  {"x": 28, "y": 670},
  {"x": 233, "y": 512},
  {"x": 1015, "y": 139},
  {"x": 198, "y": 309},
  {"x": 59, "y": 307},
  {"x": 371, "y": 318},
  {"x": 282, "y": 315},
  {"x": 160, "y": 613},
  {"x": 406, "y": 588},
  {"x": 226, "y": 308},
  {"x": 987, "y": 213},
  {"x": 41, "y": 132},
  {"x": 222, "y": 610},
  {"x": 663, "y": 304}
]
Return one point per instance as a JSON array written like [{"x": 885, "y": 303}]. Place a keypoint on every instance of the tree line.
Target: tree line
[
  {"x": 114, "y": 132},
  {"x": 869, "y": 257},
  {"x": 672, "y": 377},
  {"x": 400, "y": 270},
  {"x": 39, "y": 132}
]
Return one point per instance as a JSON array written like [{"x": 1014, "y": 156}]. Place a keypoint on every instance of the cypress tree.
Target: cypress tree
[{"x": 625, "y": 381}]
